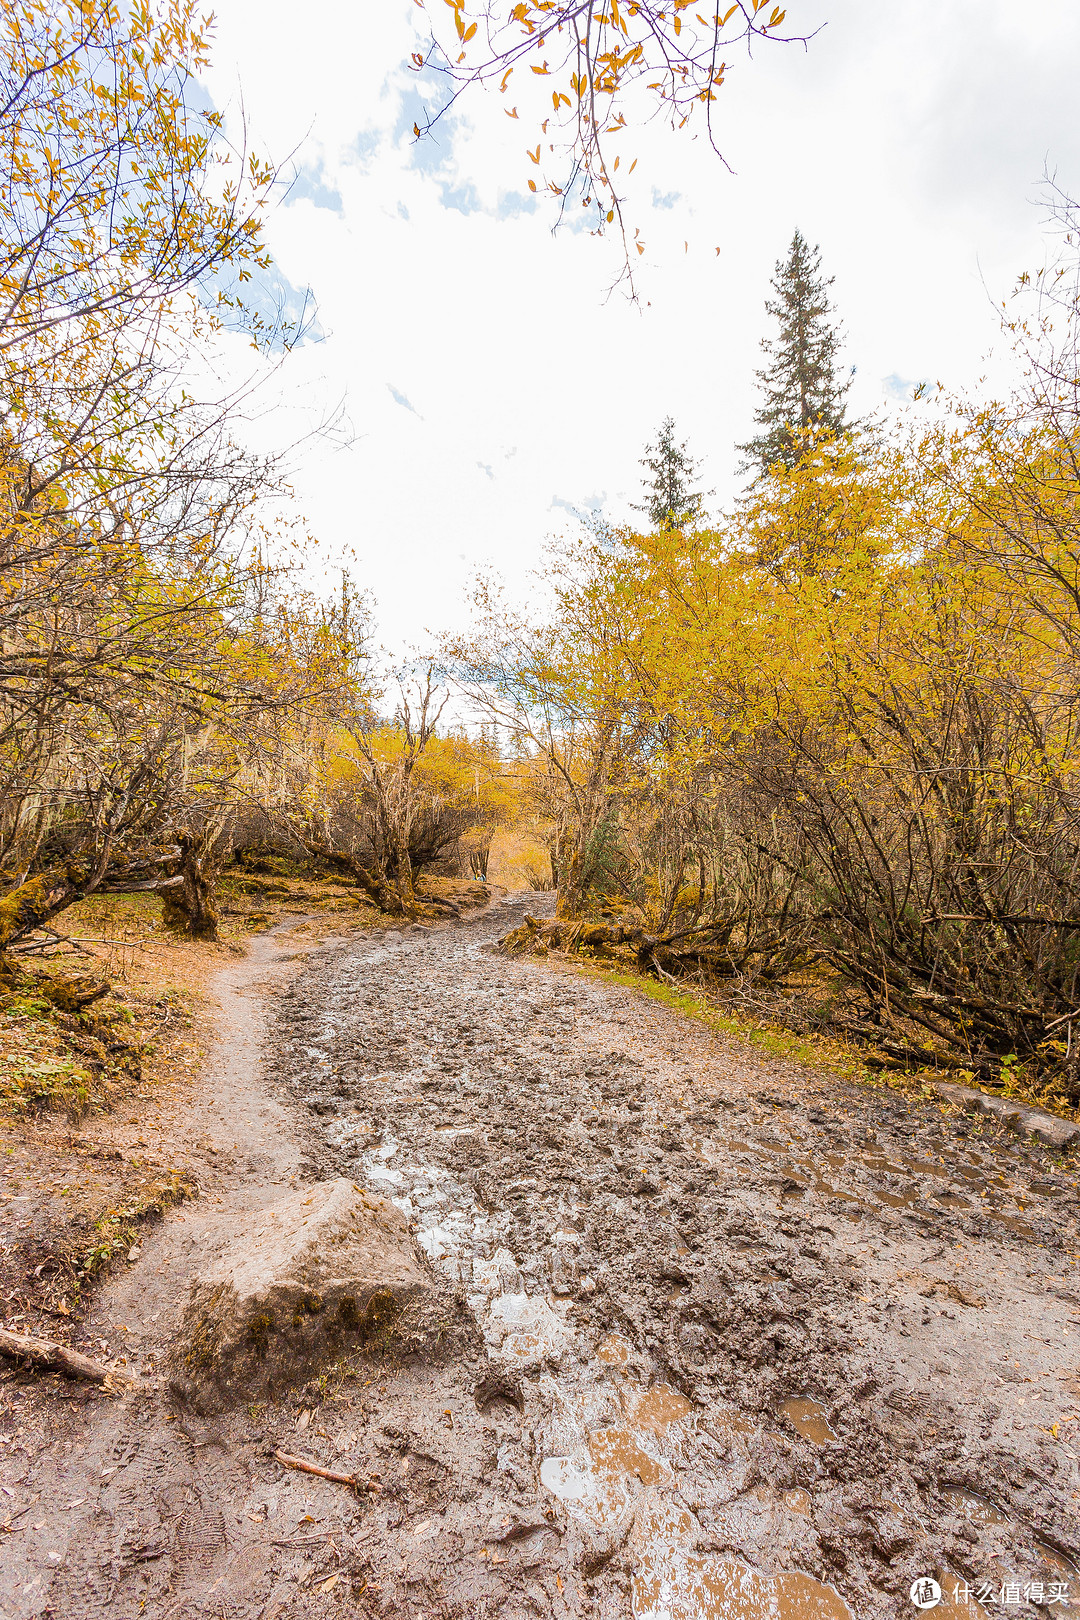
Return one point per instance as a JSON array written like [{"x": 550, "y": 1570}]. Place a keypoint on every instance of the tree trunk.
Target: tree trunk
[
  {"x": 34, "y": 902},
  {"x": 376, "y": 888},
  {"x": 403, "y": 872},
  {"x": 570, "y": 893},
  {"x": 189, "y": 906}
]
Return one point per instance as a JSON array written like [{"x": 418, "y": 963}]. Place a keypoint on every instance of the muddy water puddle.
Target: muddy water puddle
[
  {"x": 976, "y": 1506},
  {"x": 903, "y": 1193},
  {"x": 984, "y": 1513},
  {"x": 672, "y": 1582},
  {"x": 627, "y": 1476},
  {"x": 809, "y": 1418}
]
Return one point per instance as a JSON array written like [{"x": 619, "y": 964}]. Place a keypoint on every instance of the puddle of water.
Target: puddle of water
[
  {"x": 1057, "y": 1561},
  {"x": 1060, "y": 1568},
  {"x": 659, "y": 1408},
  {"x": 526, "y": 1330},
  {"x": 951, "y": 1200},
  {"x": 895, "y": 1200},
  {"x": 586, "y": 1495},
  {"x": 602, "y": 1482},
  {"x": 798, "y": 1501},
  {"x": 695, "y": 1588},
  {"x": 976, "y": 1506},
  {"x": 875, "y": 1161},
  {"x": 613, "y": 1351},
  {"x": 827, "y": 1190},
  {"x": 616, "y": 1452},
  {"x": 924, "y": 1167},
  {"x": 808, "y": 1417}
]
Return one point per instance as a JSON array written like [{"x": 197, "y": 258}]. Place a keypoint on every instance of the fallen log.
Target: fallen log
[
  {"x": 47, "y": 1353},
  {"x": 305, "y": 1467}
]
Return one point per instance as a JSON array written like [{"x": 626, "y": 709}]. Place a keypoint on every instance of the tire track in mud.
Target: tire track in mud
[{"x": 761, "y": 1335}]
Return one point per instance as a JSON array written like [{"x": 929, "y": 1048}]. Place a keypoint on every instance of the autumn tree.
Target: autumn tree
[
  {"x": 803, "y": 388},
  {"x": 381, "y": 799},
  {"x": 671, "y": 500}
]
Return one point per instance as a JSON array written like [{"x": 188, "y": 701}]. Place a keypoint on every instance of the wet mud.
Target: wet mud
[{"x": 725, "y": 1337}]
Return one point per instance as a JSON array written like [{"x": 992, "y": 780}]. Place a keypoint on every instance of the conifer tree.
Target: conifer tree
[
  {"x": 671, "y": 501},
  {"x": 804, "y": 390}
]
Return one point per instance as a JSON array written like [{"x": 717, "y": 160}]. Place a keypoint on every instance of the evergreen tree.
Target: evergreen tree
[
  {"x": 804, "y": 389},
  {"x": 671, "y": 501}
]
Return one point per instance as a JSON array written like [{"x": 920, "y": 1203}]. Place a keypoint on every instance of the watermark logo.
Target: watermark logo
[{"x": 926, "y": 1593}]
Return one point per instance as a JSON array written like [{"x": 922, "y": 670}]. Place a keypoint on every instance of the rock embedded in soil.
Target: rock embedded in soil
[{"x": 326, "y": 1271}]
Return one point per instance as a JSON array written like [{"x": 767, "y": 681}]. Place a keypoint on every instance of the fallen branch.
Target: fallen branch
[
  {"x": 305, "y": 1467},
  {"x": 47, "y": 1353},
  {"x": 35, "y": 946}
]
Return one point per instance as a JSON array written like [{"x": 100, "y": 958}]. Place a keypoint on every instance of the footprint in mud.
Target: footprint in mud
[{"x": 200, "y": 1540}]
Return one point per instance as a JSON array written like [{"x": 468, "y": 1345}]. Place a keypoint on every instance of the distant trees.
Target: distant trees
[
  {"x": 383, "y": 799},
  {"x": 671, "y": 501},
  {"x": 803, "y": 387}
]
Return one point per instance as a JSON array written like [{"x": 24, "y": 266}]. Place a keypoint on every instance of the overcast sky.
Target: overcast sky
[{"x": 489, "y": 385}]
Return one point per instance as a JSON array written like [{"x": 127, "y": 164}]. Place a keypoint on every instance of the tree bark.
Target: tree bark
[
  {"x": 34, "y": 902},
  {"x": 376, "y": 889},
  {"x": 189, "y": 907}
]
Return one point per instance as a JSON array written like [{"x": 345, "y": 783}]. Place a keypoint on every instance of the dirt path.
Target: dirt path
[{"x": 758, "y": 1343}]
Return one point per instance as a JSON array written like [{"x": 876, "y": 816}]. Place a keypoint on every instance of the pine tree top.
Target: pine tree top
[
  {"x": 671, "y": 501},
  {"x": 803, "y": 387}
]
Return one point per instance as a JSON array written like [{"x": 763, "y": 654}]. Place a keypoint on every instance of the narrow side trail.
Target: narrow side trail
[{"x": 757, "y": 1342}]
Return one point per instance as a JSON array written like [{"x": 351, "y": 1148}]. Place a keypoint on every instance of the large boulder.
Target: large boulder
[{"x": 328, "y": 1270}]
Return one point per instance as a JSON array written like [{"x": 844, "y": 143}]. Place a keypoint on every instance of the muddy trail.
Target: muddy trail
[{"x": 718, "y": 1336}]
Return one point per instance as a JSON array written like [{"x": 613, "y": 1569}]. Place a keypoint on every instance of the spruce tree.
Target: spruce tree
[
  {"x": 671, "y": 501},
  {"x": 803, "y": 386}
]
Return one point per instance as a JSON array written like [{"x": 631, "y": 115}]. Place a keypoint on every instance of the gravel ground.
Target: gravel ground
[{"x": 718, "y": 1337}]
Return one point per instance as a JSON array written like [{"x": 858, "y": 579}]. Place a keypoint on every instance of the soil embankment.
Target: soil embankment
[{"x": 749, "y": 1341}]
